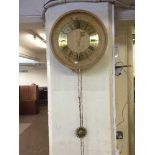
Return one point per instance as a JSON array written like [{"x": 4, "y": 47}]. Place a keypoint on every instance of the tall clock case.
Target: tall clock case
[{"x": 78, "y": 39}]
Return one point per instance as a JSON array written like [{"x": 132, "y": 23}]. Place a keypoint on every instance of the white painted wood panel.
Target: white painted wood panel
[{"x": 97, "y": 94}]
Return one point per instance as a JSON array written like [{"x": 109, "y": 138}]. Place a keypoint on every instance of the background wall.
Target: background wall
[{"x": 33, "y": 75}]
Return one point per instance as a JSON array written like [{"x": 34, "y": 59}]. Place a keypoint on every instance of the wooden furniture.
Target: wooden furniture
[{"x": 28, "y": 99}]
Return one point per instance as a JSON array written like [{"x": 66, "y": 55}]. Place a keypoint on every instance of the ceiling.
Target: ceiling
[
  {"x": 25, "y": 41},
  {"x": 30, "y": 20}
]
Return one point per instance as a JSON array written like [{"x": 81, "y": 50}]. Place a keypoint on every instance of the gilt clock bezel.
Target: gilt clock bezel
[{"x": 100, "y": 52}]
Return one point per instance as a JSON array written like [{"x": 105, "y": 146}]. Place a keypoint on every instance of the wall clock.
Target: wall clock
[{"x": 78, "y": 39}]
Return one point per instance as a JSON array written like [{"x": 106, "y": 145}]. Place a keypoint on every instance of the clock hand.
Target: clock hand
[
  {"x": 79, "y": 42},
  {"x": 81, "y": 34},
  {"x": 78, "y": 50}
]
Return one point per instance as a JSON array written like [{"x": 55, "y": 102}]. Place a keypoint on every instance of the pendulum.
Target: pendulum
[{"x": 80, "y": 132}]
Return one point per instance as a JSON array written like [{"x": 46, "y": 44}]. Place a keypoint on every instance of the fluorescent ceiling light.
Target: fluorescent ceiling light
[
  {"x": 27, "y": 61},
  {"x": 34, "y": 39},
  {"x": 43, "y": 35}
]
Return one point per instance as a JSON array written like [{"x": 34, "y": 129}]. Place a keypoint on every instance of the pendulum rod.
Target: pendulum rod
[
  {"x": 82, "y": 146},
  {"x": 80, "y": 108},
  {"x": 80, "y": 97}
]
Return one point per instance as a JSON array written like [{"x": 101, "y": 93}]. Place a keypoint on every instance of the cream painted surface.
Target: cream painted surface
[
  {"x": 63, "y": 110},
  {"x": 134, "y": 59},
  {"x": 124, "y": 88},
  {"x": 34, "y": 75},
  {"x": 131, "y": 104},
  {"x": 121, "y": 89}
]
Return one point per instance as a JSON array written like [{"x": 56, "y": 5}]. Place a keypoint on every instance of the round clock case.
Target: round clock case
[{"x": 78, "y": 39}]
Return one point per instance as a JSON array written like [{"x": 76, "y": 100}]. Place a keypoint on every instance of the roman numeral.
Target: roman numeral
[{"x": 91, "y": 48}]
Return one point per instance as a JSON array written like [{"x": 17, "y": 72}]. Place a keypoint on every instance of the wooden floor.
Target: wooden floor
[{"x": 34, "y": 140}]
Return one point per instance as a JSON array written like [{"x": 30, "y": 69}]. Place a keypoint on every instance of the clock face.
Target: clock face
[{"x": 78, "y": 39}]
